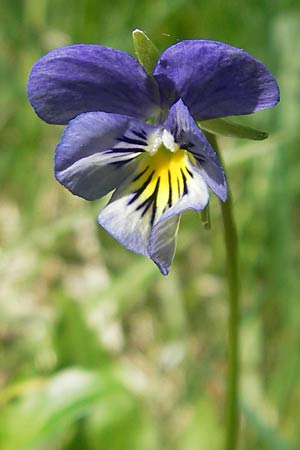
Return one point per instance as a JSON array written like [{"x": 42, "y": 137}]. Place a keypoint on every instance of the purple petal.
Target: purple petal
[
  {"x": 214, "y": 79},
  {"x": 83, "y": 78},
  {"x": 187, "y": 134},
  {"x": 98, "y": 151}
]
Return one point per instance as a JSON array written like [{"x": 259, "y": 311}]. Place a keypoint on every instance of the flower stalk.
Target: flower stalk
[{"x": 231, "y": 246}]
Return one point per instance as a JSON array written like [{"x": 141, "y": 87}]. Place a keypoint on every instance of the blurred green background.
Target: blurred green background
[{"x": 97, "y": 349}]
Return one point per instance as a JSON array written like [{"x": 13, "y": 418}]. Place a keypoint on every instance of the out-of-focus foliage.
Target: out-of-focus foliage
[{"x": 98, "y": 350}]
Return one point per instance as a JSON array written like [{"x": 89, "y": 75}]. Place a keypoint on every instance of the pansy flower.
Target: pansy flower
[{"x": 135, "y": 133}]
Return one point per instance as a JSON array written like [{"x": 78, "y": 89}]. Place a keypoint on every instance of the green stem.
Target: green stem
[{"x": 231, "y": 244}]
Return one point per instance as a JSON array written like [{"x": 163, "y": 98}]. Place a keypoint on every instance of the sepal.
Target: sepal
[
  {"x": 225, "y": 127},
  {"x": 146, "y": 51}
]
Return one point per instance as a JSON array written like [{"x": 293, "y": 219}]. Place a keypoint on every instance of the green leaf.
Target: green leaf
[
  {"x": 225, "y": 127},
  {"x": 146, "y": 51},
  {"x": 47, "y": 414}
]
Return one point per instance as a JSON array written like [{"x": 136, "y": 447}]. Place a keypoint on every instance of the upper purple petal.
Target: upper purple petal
[
  {"x": 214, "y": 79},
  {"x": 84, "y": 78}
]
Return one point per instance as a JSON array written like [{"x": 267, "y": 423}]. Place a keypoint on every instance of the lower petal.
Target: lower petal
[
  {"x": 124, "y": 223},
  {"x": 143, "y": 214}
]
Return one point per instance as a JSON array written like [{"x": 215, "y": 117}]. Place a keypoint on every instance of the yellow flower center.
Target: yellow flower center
[{"x": 161, "y": 179}]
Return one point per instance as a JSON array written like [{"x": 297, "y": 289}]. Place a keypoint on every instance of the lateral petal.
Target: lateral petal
[
  {"x": 188, "y": 136},
  {"x": 82, "y": 78},
  {"x": 214, "y": 79},
  {"x": 98, "y": 151},
  {"x": 141, "y": 213}
]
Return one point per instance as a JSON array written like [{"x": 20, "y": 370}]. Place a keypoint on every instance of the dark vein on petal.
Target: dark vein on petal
[
  {"x": 125, "y": 150},
  {"x": 178, "y": 187},
  {"x": 185, "y": 189},
  {"x": 141, "y": 134},
  {"x": 129, "y": 140},
  {"x": 175, "y": 131},
  {"x": 140, "y": 174},
  {"x": 121, "y": 163},
  {"x": 187, "y": 146},
  {"x": 154, "y": 209},
  {"x": 139, "y": 191},
  {"x": 189, "y": 172},
  {"x": 170, "y": 189},
  {"x": 151, "y": 200},
  {"x": 198, "y": 157}
]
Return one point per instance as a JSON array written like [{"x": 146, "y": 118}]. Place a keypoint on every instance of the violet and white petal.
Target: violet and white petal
[
  {"x": 81, "y": 78},
  {"x": 126, "y": 224},
  {"x": 214, "y": 79},
  {"x": 195, "y": 197},
  {"x": 188, "y": 136},
  {"x": 143, "y": 213},
  {"x": 98, "y": 151}
]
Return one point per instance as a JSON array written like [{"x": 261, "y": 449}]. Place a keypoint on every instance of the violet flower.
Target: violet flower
[{"x": 135, "y": 134}]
